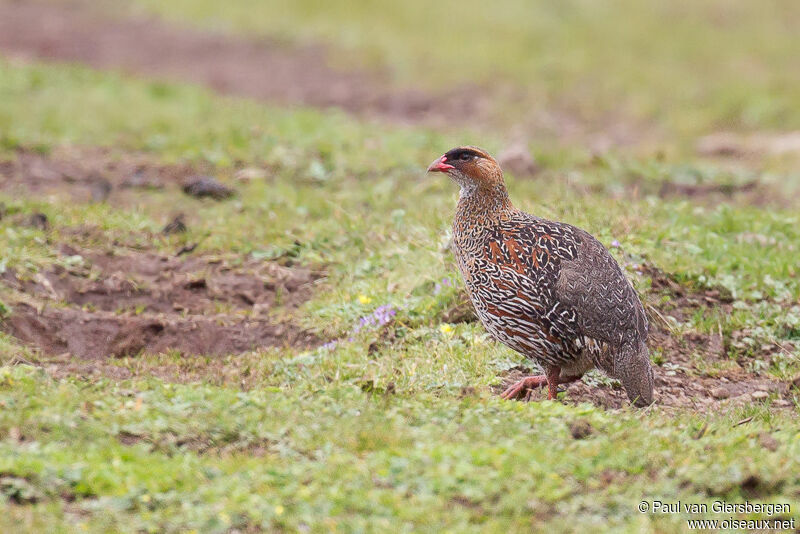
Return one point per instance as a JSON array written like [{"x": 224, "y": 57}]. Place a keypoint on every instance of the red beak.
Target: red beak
[{"x": 440, "y": 166}]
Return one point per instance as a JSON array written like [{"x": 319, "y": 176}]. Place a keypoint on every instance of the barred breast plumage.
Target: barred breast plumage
[{"x": 546, "y": 289}]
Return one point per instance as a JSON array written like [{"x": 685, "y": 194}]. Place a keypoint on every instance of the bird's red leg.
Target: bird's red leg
[
  {"x": 521, "y": 388},
  {"x": 552, "y": 373}
]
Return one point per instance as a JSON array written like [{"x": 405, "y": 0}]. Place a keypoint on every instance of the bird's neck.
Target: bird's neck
[{"x": 483, "y": 205}]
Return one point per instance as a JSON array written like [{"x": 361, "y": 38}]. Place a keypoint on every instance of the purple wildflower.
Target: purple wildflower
[
  {"x": 384, "y": 314},
  {"x": 380, "y": 316},
  {"x": 330, "y": 345},
  {"x": 615, "y": 244}
]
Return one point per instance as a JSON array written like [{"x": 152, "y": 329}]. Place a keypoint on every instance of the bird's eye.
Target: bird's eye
[{"x": 466, "y": 156}]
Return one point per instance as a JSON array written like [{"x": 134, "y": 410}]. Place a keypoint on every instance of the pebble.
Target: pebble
[
  {"x": 720, "y": 393},
  {"x": 100, "y": 189},
  {"x": 38, "y": 220},
  {"x": 768, "y": 442},
  {"x": 207, "y": 186}
]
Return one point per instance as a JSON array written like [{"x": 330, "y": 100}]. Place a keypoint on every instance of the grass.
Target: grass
[
  {"x": 396, "y": 428},
  {"x": 713, "y": 65},
  {"x": 153, "y": 456}
]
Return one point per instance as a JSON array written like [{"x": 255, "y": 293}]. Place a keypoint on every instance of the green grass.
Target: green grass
[
  {"x": 692, "y": 67},
  {"x": 210, "y": 459},
  {"x": 391, "y": 437}
]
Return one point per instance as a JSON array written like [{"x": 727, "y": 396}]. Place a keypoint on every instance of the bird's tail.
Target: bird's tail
[{"x": 632, "y": 368}]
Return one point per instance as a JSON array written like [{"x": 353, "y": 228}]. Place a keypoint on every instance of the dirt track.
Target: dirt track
[{"x": 262, "y": 69}]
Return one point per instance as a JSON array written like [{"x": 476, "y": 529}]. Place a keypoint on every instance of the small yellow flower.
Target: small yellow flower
[
  {"x": 145, "y": 498},
  {"x": 363, "y": 299},
  {"x": 445, "y": 329},
  {"x": 225, "y": 518},
  {"x": 278, "y": 510}
]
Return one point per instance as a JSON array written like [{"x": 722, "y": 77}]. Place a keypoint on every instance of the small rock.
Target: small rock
[
  {"x": 768, "y": 442},
  {"x": 720, "y": 393},
  {"x": 207, "y": 186},
  {"x": 580, "y": 429},
  {"x": 100, "y": 189},
  {"x": 517, "y": 159},
  {"x": 38, "y": 220},
  {"x": 175, "y": 226},
  {"x": 759, "y": 395}
]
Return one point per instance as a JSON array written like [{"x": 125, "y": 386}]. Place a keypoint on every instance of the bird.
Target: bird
[{"x": 546, "y": 289}]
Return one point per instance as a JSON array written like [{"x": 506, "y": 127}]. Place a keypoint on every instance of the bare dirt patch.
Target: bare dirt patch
[
  {"x": 92, "y": 173},
  {"x": 132, "y": 302},
  {"x": 751, "y": 193},
  {"x": 696, "y": 372},
  {"x": 256, "y": 68},
  {"x": 733, "y": 145}
]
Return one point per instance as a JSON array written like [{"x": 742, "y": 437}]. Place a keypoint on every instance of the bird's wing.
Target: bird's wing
[{"x": 606, "y": 306}]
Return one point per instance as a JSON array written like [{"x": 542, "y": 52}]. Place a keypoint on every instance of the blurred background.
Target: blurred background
[{"x": 606, "y": 74}]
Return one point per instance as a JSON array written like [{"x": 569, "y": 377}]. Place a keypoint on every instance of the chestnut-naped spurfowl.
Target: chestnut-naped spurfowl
[{"x": 546, "y": 289}]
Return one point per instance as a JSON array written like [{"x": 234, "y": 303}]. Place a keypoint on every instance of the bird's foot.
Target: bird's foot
[{"x": 523, "y": 389}]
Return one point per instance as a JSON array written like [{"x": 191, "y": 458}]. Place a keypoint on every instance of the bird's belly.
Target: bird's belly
[{"x": 513, "y": 309}]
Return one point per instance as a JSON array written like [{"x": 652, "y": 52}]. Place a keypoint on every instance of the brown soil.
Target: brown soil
[
  {"x": 697, "y": 372},
  {"x": 92, "y": 173},
  {"x": 264, "y": 69},
  {"x": 124, "y": 304},
  {"x": 752, "y": 193},
  {"x": 733, "y": 145}
]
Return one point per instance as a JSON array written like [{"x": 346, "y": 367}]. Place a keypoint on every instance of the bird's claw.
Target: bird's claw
[{"x": 523, "y": 389}]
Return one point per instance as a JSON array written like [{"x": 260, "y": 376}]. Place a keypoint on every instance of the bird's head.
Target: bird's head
[{"x": 470, "y": 167}]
